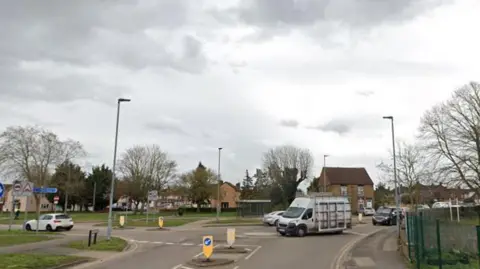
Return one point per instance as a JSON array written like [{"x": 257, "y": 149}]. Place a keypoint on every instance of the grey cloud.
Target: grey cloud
[
  {"x": 94, "y": 32},
  {"x": 289, "y": 123},
  {"x": 348, "y": 124},
  {"x": 337, "y": 126},
  {"x": 166, "y": 127},
  {"x": 365, "y": 93},
  {"x": 354, "y": 14}
]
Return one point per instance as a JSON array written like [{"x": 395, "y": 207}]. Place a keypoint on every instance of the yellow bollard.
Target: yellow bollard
[
  {"x": 207, "y": 248},
  {"x": 122, "y": 221},
  {"x": 230, "y": 237},
  {"x": 160, "y": 222}
]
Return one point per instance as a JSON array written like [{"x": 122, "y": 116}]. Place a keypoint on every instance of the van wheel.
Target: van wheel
[
  {"x": 49, "y": 228},
  {"x": 275, "y": 223},
  {"x": 28, "y": 227},
  {"x": 301, "y": 232}
]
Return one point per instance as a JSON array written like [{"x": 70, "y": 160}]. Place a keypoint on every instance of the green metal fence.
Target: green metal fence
[{"x": 437, "y": 238}]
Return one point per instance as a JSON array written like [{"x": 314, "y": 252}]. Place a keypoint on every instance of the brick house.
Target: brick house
[
  {"x": 229, "y": 195},
  {"x": 349, "y": 181}
]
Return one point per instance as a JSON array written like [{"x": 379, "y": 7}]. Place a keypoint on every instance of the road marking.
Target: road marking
[
  {"x": 158, "y": 242},
  {"x": 236, "y": 267},
  {"x": 253, "y": 252},
  {"x": 143, "y": 242},
  {"x": 169, "y": 243},
  {"x": 188, "y": 244},
  {"x": 355, "y": 233}
]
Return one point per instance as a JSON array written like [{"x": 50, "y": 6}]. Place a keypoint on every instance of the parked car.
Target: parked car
[
  {"x": 271, "y": 218},
  {"x": 441, "y": 205},
  {"x": 50, "y": 222},
  {"x": 385, "y": 216},
  {"x": 369, "y": 212}
]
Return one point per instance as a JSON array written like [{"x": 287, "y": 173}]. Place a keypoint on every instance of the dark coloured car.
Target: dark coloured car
[{"x": 385, "y": 216}]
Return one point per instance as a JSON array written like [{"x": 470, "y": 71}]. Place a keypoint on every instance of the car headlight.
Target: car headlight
[{"x": 291, "y": 224}]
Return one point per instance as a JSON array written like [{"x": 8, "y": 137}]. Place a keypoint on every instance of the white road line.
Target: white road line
[
  {"x": 157, "y": 242},
  {"x": 356, "y": 233},
  {"x": 184, "y": 267},
  {"x": 187, "y": 244},
  {"x": 253, "y": 252},
  {"x": 236, "y": 267},
  {"x": 177, "y": 267},
  {"x": 143, "y": 242},
  {"x": 169, "y": 243}
]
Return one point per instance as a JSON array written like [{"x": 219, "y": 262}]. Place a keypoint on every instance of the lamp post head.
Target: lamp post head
[
  {"x": 123, "y": 100},
  {"x": 388, "y": 117},
  {"x": 220, "y": 149}
]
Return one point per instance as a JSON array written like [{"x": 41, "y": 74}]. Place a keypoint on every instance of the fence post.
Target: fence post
[
  {"x": 439, "y": 246},
  {"x": 422, "y": 237},
  {"x": 417, "y": 249},
  {"x": 478, "y": 244},
  {"x": 408, "y": 229}
]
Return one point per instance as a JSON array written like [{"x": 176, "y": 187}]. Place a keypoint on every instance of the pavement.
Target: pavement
[{"x": 376, "y": 251}]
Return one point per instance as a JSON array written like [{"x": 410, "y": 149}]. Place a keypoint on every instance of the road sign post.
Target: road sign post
[
  {"x": 55, "y": 203},
  {"x": 207, "y": 246},
  {"x": 152, "y": 196},
  {"x": 16, "y": 189}
]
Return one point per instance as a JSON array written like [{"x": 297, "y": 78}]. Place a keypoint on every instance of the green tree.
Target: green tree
[
  {"x": 199, "y": 184},
  {"x": 247, "y": 191},
  {"x": 315, "y": 185},
  {"x": 70, "y": 180},
  {"x": 99, "y": 179},
  {"x": 383, "y": 195}
]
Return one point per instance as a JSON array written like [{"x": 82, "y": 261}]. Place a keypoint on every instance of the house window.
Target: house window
[
  {"x": 343, "y": 191},
  {"x": 224, "y": 204},
  {"x": 360, "y": 191}
]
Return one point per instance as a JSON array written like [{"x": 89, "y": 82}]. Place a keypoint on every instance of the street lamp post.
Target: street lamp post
[
  {"x": 112, "y": 185},
  {"x": 325, "y": 172},
  {"x": 218, "y": 186},
  {"x": 395, "y": 180}
]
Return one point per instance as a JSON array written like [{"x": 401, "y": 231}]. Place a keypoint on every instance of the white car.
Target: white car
[
  {"x": 441, "y": 205},
  {"x": 50, "y": 222},
  {"x": 272, "y": 218},
  {"x": 369, "y": 212}
]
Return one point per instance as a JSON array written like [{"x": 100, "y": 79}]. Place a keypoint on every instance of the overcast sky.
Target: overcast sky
[{"x": 243, "y": 76}]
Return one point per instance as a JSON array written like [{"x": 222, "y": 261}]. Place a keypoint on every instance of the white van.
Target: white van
[{"x": 316, "y": 213}]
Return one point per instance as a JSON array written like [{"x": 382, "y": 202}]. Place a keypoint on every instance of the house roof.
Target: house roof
[
  {"x": 229, "y": 184},
  {"x": 345, "y": 176}
]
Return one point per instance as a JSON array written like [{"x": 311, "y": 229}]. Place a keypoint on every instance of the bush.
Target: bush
[{"x": 180, "y": 211}]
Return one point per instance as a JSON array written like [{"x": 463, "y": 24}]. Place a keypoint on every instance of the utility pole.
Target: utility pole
[
  {"x": 68, "y": 183},
  {"x": 112, "y": 184},
  {"x": 325, "y": 172},
  {"x": 397, "y": 192},
  {"x": 218, "y": 186},
  {"x": 94, "y": 195}
]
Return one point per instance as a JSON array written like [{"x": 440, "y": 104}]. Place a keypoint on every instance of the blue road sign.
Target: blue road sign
[
  {"x": 44, "y": 190},
  {"x": 2, "y": 190},
  {"x": 207, "y": 242}
]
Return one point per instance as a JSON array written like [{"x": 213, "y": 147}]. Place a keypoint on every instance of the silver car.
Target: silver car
[
  {"x": 271, "y": 218},
  {"x": 369, "y": 212}
]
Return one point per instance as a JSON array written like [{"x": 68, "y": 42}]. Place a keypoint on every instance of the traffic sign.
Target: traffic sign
[
  {"x": 56, "y": 199},
  {"x": 27, "y": 188},
  {"x": 44, "y": 190},
  {"x": 207, "y": 246},
  {"x": 153, "y": 195},
  {"x": 2, "y": 190},
  {"x": 17, "y": 188}
]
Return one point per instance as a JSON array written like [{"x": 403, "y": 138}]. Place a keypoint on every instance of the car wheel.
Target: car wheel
[
  {"x": 374, "y": 223},
  {"x": 28, "y": 227},
  {"x": 282, "y": 234},
  {"x": 49, "y": 228},
  {"x": 275, "y": 223},
  {"x": 301, "y": 232},
  {"x": 69, "y": 228}
]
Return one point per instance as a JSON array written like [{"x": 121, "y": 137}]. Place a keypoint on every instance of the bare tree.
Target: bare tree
[
  {"x": 31, "y": 152},
  {"x": 147, "y": 167},
  {"x": 286, "y": 166},
  {"x": 413, "y": 169},
  {"x": 451, "y": 132}
]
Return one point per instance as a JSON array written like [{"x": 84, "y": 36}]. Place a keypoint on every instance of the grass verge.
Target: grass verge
[
  {"x": 35, "y": 261},
  {"x": 17, "y": 237},
  {"x": 236, "y": 221},
  {"x": 115, "y": 244}
]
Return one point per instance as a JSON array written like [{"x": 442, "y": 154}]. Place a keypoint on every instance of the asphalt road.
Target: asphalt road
[{"x": 173, "y": 249}]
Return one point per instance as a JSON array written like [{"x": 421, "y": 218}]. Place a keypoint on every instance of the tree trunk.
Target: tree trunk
[{"x": 38, "y": 199}]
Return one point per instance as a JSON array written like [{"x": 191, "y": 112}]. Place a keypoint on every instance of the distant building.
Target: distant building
[
  {"x": 353, "y": 182},
  {"x": 229, "y": 195},
  {"x": 24, "y": 204}
]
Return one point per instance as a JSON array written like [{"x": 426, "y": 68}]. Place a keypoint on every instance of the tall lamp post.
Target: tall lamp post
[
  {"x": 218, "y": 185},
  {"x": 112, "y": 185},
  {"x": 325, "y": 172},
  {"x": 395, "y": 180}
]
